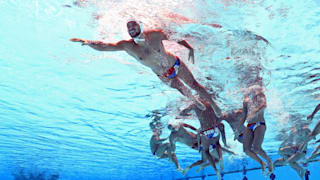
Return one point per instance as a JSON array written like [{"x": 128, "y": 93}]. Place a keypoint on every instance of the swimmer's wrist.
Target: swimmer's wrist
[{"x": 87, "y": 42}]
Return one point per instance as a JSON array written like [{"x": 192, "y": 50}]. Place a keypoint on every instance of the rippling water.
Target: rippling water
[{"x": 79, "y": 113}]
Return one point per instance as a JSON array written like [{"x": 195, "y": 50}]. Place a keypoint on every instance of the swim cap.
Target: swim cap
[
  {"x": 138, "y": 38},
  {"x": 152, "y": 125}
]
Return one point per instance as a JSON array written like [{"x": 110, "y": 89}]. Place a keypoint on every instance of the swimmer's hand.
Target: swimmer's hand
[
  {"x": 310, "y": 117},
  {"x": 83, "y": 41},
  {"x": 179, "y": 169},
  {"x": 191, "y": 56},
  {"x": 185, "y": 114}
]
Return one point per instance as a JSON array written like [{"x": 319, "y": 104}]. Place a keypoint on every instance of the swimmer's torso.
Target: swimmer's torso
[
  {"x": 154, "y": 143},
  {"x": 254, "y": 103},
  {"x": 152, "y": 53},
  {"x": 207, "y": 118}
]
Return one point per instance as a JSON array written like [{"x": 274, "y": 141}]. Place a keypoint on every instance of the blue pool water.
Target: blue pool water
[{"x": 70, "y": 111}]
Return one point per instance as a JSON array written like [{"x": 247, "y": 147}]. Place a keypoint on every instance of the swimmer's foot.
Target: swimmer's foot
[
  {"x": 186, "y": 170},
  {"x": 302, "y": 173},
  {"x": 270, "y": 167},
  {"x": 218, "y": 175},
  {"x": 221, "y": 165},
  {"x": 179, "y": 169},
  {"x": 263, "y": 168}
]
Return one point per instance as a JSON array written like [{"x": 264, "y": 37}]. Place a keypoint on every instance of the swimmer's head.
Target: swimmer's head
[
  {"x": 135, "y": 30},
  {"x": 171, "y": 128},
  {"x": 152, "y": 125},
  {"x": 154, "y": 128}
]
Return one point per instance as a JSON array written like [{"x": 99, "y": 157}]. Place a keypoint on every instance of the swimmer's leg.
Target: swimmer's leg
[
  {"x": 206, "y": 144},
  {"x": 257, "y": 142},
  {"x": 280, "y": 161},
  {"x": 293, "y": 163},
  {"x": 187, "y": 77},
  {"x": 301, "y": 172},
  {"x": 197, "y": 163},
  {"x": 247, "y": 144},
  {"x": 314, "y": 154},
  {"x": 164, "y": 151},
  {"x": 177, "y": 84}
]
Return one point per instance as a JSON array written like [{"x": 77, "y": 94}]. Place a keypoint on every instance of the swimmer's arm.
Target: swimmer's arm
[
  {"x": 172, "y": 144},
  {"x": 184, "y": 43},
  {"x": 102, "y": 46},
  {"x": 242, "y": 120},
  {"x": 186, "y": 111},
  {"x": 257, "y": 37},
  {"x": 191, "y": 51},
  {"x": 256, "y": 111},
  {"x": 159, "y": 140},
  {"x": 317, "y": 141},
  {"x": 189, "y": 126},
  {"x": 314, "y": 112},
  {"x": 163, "y": 139},
  {"x": 223, "y": 133},
  {"x": 224, "y": 116},
  {"x": 244, "y": 115}
]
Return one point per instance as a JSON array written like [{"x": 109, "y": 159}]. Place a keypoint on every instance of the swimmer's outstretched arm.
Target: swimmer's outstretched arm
[
  {"x": 314, "y": 112},
  {"x": 186, "y": 111},
  {"x": 101, "y": 46},
  {"x": 189, "y": 126},
  {"x": 184, "y": 43}
]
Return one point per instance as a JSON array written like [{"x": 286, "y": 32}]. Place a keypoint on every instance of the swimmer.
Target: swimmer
[
  {"x": 160, "y": 149},
  {"x": 316, "y": 129},
  {"x": 202, "y": 163},
  {"x": 179, "y": 133},
  {"x": 254, "y": 104},
  {"x": 292, "y": 152},
  {"x": 147, "y": 48},
  {"x": 209, "y": 133}
]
